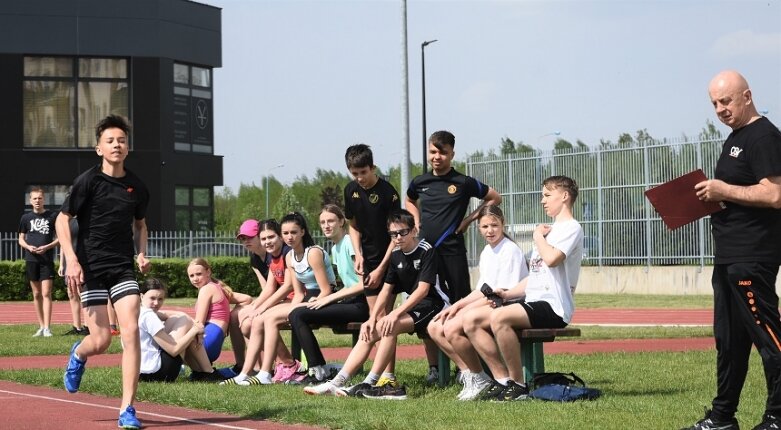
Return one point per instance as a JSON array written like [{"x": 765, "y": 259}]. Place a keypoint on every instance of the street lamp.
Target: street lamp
[
  {"x": 423, "y": 88},
  {"x": 267, "y": 175}
]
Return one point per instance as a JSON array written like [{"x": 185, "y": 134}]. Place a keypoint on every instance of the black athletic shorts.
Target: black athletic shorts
[
  {"x": 541, "y": 315},
  {"x": 368, "y": 266},
  {"x": 168, "y": 372},
  {"x": 424, "y": 312},
  {"x": 39, "y": 271},
  {"x": 114, "y": 283}
]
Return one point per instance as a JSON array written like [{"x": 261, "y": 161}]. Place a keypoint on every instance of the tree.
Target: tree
[{"x": 288, "y": 202}]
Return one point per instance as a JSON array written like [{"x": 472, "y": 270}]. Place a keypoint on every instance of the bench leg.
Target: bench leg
[
  {"x": 443, "y": 362},
  {"x": 532, "y": 359}
]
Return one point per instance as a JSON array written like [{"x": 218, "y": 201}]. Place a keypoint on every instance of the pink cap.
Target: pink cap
[{"x": 249, "y": 228}]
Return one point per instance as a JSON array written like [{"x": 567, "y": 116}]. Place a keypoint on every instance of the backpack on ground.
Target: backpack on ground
[{"x": 561, "y": 387}]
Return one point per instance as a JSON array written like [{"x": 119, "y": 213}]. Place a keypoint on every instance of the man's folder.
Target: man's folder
[{"x": 677, "y": 202}]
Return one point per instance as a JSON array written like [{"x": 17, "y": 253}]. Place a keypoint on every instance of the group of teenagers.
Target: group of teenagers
[{"x": 379, "y": 250}]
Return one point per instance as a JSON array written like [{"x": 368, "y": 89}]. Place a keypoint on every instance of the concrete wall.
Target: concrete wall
[{"x": 683, "y": 280}]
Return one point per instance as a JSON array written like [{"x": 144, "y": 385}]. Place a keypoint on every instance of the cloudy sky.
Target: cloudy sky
[{"x": 302, "y": 80}]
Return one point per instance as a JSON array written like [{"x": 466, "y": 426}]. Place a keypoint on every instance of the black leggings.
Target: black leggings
[{"x": 353, "y": 310}]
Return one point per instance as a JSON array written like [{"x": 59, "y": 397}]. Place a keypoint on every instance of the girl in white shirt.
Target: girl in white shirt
[
  {"x": 168, "y": 339},
  {"x": 502, "y": 266}
]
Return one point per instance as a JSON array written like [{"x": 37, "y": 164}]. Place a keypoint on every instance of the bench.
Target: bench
[{"x": 532, "y": 341}]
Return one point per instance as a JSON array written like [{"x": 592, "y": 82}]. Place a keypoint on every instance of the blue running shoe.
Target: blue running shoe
[
  {"x": 73, "y": 372},
  {"x": 127, "y": 419}
]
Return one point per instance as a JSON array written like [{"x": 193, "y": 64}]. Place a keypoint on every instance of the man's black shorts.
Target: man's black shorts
[{"x": 39, "y": 271}]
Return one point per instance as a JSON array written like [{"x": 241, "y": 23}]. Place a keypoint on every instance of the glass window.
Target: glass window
[
  {"x": 201, "y": 196},
  {"x": 48, "y": 67},
  {"x": 201, "y": 77},
  {"x": 48, "y": 114},
  {"x": 182, "y": 196},
  {"x": 181, "y": 73},
  {"x": 51, "y": 89},
  {"x": 53, "y": 195},
  {"x": 202, "y": 219},
  {"x": 114, "y": 68},
  {"x": 183, "y": 219},
  {"x": 96, "y": 101}
]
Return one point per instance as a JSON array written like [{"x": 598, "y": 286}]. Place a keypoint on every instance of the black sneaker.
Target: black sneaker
[
  {"x": 85, "y": 331},
  {"x": 769, "y": 422},
  {"x": 386, "y": 392},
  {"x": 358, "y": 389},
  {"x": 513, "y": 391},
  {"x": 73, "y": 332},
  {"x": 492, "y": 392},
  {"x": 709, "y": 423}
]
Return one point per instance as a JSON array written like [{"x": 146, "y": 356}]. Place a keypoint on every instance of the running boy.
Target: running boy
[
  {"x": 109, "y": 202},
  {"x": 36, "y": 237},
  {"x": 412, "y": 270},
  {"x": 554, "y": 269},
  {"x": 439, "y": 199}
]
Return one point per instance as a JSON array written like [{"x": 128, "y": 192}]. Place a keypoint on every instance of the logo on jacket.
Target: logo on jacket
[
  {"x": 374, "y": 198},
  {"x": 735, "y": 151},
  {"x": 451, "y": 189}
]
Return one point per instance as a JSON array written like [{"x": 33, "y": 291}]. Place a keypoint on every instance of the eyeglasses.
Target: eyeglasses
[{"x": 399, "y": 233}]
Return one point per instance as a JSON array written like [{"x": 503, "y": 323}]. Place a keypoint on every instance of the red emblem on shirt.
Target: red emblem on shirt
[{"x": 129, "y": 189}]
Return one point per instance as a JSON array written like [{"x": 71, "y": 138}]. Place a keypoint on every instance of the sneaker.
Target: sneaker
[
  {"x": 433, "y": 375},
  {"x": 357, "y": 390},
  {"x": 74, "y": 371},
  {"x": 39, "y": 333},
  {"x": 206, "y": 376},
  {"x": 85, "y": 331},
  {"x": 252, "y": 380},
  {"x": 228, "y": 372},
  {"x": 386, "y": 392},
  {"x": 284, "y": 372},
  {"x": 492, "y": 392},
  {"x": 474, "y": 385},
  {"x": 459, "y": 377},
  {"x": 73, "y": 332},
  {"x": 311, "y": 377},
  {"x": 325, "y": 389},
  {"x": 769, "y": 422},
  {"x": 708, "y": 423},
  {"x": 384, "y": 380},
  {"x": 127, "y": 419},
  {"x": 513, "y": 391},
  {"x": 114, "y": 330},
  {"x": 47, "y": 332}
]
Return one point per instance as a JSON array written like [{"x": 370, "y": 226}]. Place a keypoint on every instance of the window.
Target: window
[
  {"x": 193, "y": 208},
  {"x": 64, "y": 97},
  {"x": 193, "y": 131}
]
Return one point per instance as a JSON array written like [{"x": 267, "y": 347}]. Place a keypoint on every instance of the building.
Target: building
[{"x": 66, "y": 64}]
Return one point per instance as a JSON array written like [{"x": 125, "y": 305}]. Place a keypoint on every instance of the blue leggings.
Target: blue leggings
[{"x": 213, "y": 337}]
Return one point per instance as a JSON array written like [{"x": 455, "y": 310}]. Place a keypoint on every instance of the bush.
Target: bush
[{"x": 234, "y": 271}]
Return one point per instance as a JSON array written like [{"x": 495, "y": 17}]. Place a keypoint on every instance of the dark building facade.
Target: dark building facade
[{"x": 66, "y": 64}]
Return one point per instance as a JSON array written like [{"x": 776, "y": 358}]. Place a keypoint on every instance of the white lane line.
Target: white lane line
[{"x": 114, "y": 408}]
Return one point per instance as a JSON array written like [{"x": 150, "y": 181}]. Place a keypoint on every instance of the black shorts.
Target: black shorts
[
  {"x": 424, "y": 312},
  {"x": 37, "y": 271},
  {"x": 541, "y": 315},
  {"x": 114, "y": 283},
  {"x": 168, "y": 372}
]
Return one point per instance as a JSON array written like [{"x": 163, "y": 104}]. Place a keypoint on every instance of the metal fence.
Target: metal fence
[
  {"x": 165, "y": 244},
  {"x": 620, "y": 226}
]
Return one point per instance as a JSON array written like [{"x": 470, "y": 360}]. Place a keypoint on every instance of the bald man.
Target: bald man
[{"x": 747, "y": 237}]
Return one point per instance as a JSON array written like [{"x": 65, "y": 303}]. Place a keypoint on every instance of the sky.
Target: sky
[{"x": 302, "y": 80}]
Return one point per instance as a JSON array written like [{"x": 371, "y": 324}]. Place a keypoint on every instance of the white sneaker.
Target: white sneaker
[
  {"x": 326, "y": 388},
  {"x": 468, "y": 379},
  {"x": 39, "y": 333},
  {"x": 478, "y": 385},
  {"x": 47, "y": 332}
]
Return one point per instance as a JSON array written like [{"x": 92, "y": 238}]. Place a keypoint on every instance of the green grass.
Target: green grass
[
  {"x": 640, "y": 390},
  {"x": 590, "y": 301}
]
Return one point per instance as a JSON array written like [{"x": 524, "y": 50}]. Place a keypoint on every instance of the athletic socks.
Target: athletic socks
[{"x": 371, "y": 378}]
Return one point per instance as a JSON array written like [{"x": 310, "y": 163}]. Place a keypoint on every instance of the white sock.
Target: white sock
[
  {"x": 264, "y": 377},
  {"x": 240, "y": 377},
  {"x": 340, "y": 379},
  {"x": 390, "y": 376},
  {"x": 503, "y": 381},
  {"x": 371, "y": 378}
]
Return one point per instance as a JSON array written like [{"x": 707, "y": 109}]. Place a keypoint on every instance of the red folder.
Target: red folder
[{"x": 677, "y": 202}]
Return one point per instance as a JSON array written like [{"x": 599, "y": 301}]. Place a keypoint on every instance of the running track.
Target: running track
[{"x": 79, "y": 411}]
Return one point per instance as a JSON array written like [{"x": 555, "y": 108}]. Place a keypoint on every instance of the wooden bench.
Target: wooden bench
[
  {"x": 532, "y": 354},
  {"x": 532, "y": 341}
]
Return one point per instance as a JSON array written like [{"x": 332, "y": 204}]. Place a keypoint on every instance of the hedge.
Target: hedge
[{"x": 234, "y": 271}]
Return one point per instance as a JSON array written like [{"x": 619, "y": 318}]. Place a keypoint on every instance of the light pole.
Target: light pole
[
  {"x": 267, "y": 175},
  {"x": 423, "y": 88}
]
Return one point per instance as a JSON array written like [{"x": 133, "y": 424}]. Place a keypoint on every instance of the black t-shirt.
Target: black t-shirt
[
  {"x": 406, "y": 271},
  {"x": 38, "y": 230},
  {"x": 106, "y": 208},
  {"x": 370, "y": 209},
  {"x": 745, "y": 233},
  {"x": 443, "y": 201}
]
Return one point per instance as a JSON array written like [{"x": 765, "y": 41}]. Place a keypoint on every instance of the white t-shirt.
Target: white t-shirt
[
  {"x": 503, "y": 266},
  {"x": 149, "y": 324},
  {"x": 556, "y": 285}
]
